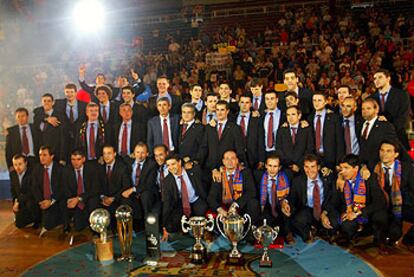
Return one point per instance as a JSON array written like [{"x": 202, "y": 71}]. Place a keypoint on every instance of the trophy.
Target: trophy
[
  {"x": 197, "y": 225},
  {"x": 265, "y": 235},
  {"x": 152, "y": 236},
  {"x": 99, "y": 221},
  {"x": 123, "y": 217},
  {"x": 233, "y": 226}
]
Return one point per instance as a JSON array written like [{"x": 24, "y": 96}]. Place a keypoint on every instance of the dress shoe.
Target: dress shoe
[
  {"x": 66, "y": 229},
  {"x": 383, "y": 249},
  {"x": 289, "y": 239},
  {"x": 42, "y": 232},
  {"x": 311, "y": 238}
]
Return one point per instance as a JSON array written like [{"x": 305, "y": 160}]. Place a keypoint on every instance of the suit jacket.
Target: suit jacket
[
  {"x": 21, "y": 192},
  {"x": 262, "y": 133},
  {"x": 298, "y": 196},
  {"x": 56, "y": 181},
  {"x": 118, "y": 182},
  {"x": 249, "y": 192},
  {"x": 189, "y": 144},
  {"x": 375, "y": 199},
  {"x": 175, "y": 105},
  {"x": 172, "y": 198},
  {"x": 114, "y": 117},
  {"x": 60, "y": 106},
  {"x": 90, "y": 182},
  {"x": 294, "y": 153},
  {"x": 104, "y": 136},
  {"x": 359, "y": 122},
  {"x": 212, "y": 148},
  {"x": 154, "y": 131},
  {"x": 51, "y": 136},
  {"x": 148, "y": 177},
  {"x": 138, "y": 133},
  {"x": 332, "y": 139},
  {"x": 305, "y": 97},
  {"x": 14, "y": 143}
]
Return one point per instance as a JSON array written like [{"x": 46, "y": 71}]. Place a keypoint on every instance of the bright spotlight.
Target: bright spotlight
[{"x": 88, "y": 15}]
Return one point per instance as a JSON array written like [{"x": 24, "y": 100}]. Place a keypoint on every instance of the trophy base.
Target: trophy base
[
  {"x": 198, "y": 257},
  {"x": 235, "y": 261},
  {"x": 264, "y": 263},
  {"x": 104, "y": 250}
]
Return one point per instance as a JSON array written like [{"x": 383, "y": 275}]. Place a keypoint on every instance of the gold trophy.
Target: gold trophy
[
  {"x": 265, "y": 235},
  {"x": 99, "y": 222},
  {"x": 233, "y": 226},
  {"x": 197, "y": 225},
  {"x": 123, "y": 217}
]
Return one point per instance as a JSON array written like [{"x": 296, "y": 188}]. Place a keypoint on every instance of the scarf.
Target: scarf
[
  {"x": 396, "y": 196},
  {"x": 232, "y": 189},
  {"x": 355, "y": 199},
  {"x": 282, "y": 188}
]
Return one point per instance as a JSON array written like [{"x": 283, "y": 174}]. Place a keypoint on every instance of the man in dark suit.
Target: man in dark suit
[
  {"x": 219, "y": 138},
  {"x": 249, "y": 124},
  {"x": 196, "y": 92},
  {"x": 82, "y": 188},
  {"x": 294, "y": 140},
  {"x": 48, "y": 190},
  {"x": 162, "y": 86},
  {"x": 342, "y": 92},
  {"x": 209, "y": 112},
  {"x": 351, "y": 126},
  {"x": 115, "y": 179},
  {"x": 143, "y": 196},
  {"x": 291, "y": 80},
  {"x": 309, "y": 199},
  {"x": 258, "y": 102},
  {"x": 92, "y": 134},
  {"x": 236, "y": 185},
  {"x": 225, "y": 95},
  {"x": 73, "y": 112},
  {"x": 190, "y": 134},
  {"x": 357, "y": 202},
  {"x": 128, "y": 132},
  {"x": 394, "y": 104},
  {"x": 183, "y": 194},
  {"x": 108, "y": 110},
  {"x": 329, "y": 143},
  {"x": 21, "y": 139},
  {"x": 26, "y": 210},
  {"x": 373, "y": 132},
  {"x": 99, "y": 81},
  {"x": 163, "y": 128},
  {"x": 140, "y": 112},
  {"x": 48, "y": 123},
  {"x": 292, "y": 99}
]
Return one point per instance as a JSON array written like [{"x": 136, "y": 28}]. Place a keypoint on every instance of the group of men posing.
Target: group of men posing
[{"x": 288, "y": 157}]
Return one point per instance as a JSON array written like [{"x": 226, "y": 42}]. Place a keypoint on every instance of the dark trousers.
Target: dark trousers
[
  {"x": 281, "y": 220},
  {"x": 29, "y": 212},
  {"x": 80, "y": 218},
  {"x": 198, "y": 208},
  {"x": 303, "y": 220},
  {"x": 141, "y": 204},
  {"x": 52, "y": 217}
]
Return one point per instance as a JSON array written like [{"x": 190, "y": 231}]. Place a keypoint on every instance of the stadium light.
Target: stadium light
[{"x": 88, "y": 16}]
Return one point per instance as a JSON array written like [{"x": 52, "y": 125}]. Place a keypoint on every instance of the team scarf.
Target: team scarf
[
  {"x": 282, "y": 187},
  {"x": 356, "y": 198},
  {"x": 396, "y": 196},
  {"x": 232, "y": 192}
]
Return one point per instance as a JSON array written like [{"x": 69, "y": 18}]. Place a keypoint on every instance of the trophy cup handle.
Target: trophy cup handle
[
  {"x": 275, "y": 232},
  {"x": 247, "y": 218},
  {"x": 210, "y": 223},
  {"x": 219, "y": 218},
  {"x": 185, "y": 222}
]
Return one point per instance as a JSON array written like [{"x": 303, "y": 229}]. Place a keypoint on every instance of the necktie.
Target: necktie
[
  {"x": 347, "y": 133},
  {"x": 91, "y": 143},
  {"x": 184, "y": 198},
  {"x": 184, "y": 129},
  {"x": 47, "y": 194},
  {"x": 165, "y": 134},
  {"x": 108, "y": 172},
  {"x": 365, "y": 133},
  {"x": 137, "y": 174},
  {"x": 387, "y": 184},
  {"x": 81, "y": 205},
  {"x": 124, "y": 147},
  {"x": 316, "y": 201},
  {"x": 71, "y": 116},
  {"x": 274, "y": 198},
  {"x": 25, "y": 141},
  {"x": 383, "y": 102},
  {"x": 270, "y": 139},
  {"x": 243, "y": 125},
  {"x": 318, "y": 133},
  {"x": 220, "y": 130},
  {"x": 104, "y": 114},
  {"x": 293, "y": 135},
  {"x": 256, "y": 104}
]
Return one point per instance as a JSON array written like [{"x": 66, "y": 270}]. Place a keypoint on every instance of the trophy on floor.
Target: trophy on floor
[
  {"x": 99, "y": 222},
  {"x": 152, "y": 238},
  {"x": 197, "y": 225},
  {"x": 123, "y": 217},
  {"x": 233, "y": 226},
  {"x": 265, "y": 235}
]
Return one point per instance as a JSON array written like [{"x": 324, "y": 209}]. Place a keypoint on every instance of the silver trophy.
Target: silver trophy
[
  {"x": 233, "y": 226},
  {"x": 265, "y": 235},
  {"x": 197, "y": 225},
  {"x": 123, "y": 217},
  {"x": 99, "y": 222}
]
